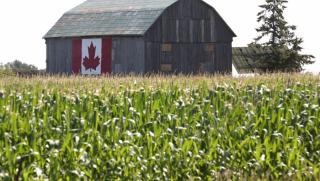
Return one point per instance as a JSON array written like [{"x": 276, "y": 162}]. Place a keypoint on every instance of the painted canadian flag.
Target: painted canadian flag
[{"x": 91, "y": 56}]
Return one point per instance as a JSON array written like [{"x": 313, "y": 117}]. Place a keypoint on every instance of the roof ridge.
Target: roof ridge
[{"x": 115, "y": 11}]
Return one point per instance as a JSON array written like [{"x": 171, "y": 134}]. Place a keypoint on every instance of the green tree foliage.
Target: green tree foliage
[
  {"x": 278, "y": 39},
  {"x": 18, "y": 67}
]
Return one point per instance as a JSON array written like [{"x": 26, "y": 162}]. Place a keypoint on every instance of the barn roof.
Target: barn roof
[
  {"x": 109, "y": 17},
  {"x": 245, "y": 59}
]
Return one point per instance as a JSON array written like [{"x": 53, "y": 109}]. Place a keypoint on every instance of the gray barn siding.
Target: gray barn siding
[
  {"x": 128, "y": 55},
  {"x": 189, "y": 25},
  {"x": 222, "y": 32},
  {"x": 152, "y": 61},
  {"x": 223, "y": 63},
  {"x": 59, "y": 55},
  {"x": 196, "y": 22}
]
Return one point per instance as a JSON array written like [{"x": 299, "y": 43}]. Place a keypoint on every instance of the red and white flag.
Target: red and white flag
[{"x": 91, "y": 56}]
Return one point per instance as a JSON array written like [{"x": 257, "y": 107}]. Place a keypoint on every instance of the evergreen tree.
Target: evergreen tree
[{"x": 282, "y": 46}]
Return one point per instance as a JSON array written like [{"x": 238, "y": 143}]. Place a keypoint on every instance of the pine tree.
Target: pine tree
[{"x": 283, "y": 47}]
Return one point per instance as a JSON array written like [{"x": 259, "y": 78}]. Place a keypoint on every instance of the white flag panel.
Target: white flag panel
[{"x": 91, "y": 57}]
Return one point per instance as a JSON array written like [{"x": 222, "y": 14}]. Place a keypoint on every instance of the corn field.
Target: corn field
[{"x": 160, "y": 128}]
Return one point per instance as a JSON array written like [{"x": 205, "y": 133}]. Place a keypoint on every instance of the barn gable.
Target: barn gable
[{"x": 189, "y": 36}]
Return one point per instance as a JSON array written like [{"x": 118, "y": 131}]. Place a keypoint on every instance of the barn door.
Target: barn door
[{"x": 91, "y": 56}]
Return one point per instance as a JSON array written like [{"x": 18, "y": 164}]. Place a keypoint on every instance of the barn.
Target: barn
[
  {"x": 247, "y": 60},
  {"x": 140, "y": 36}
]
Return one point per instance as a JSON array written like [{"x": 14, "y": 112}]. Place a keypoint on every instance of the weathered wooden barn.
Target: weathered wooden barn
[{"x": 140, "y": 36}]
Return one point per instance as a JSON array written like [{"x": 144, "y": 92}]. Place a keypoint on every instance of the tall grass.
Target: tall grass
[{"x": 160, "y": 127}]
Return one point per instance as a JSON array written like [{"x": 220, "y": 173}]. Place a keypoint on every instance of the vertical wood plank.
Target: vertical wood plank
[
  {"x": 202, "y": 30},
  {"x": 177, "y": 30},
  {"x": 191, "y": 31}
]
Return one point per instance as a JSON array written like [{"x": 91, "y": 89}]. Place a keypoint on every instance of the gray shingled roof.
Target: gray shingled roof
[
  {"x": 245, "y": 59},
  {"x": 109, "y": 17}
]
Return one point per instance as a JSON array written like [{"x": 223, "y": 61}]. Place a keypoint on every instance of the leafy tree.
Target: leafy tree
[
  {"x": 18, "y": 67},
  {"x": 283, "y": 48}
]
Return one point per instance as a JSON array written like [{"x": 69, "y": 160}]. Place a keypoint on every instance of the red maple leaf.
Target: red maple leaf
[{"x": 93, "y": 61}]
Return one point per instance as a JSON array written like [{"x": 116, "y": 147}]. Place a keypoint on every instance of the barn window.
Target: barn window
[
  {"x": 166, "y": 67},
  {"x": 209, "y": 47},
  {"x": 166, "y": 47}
]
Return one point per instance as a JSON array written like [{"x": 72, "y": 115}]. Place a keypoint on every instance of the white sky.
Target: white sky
[{"x": 24, "y": 22}]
